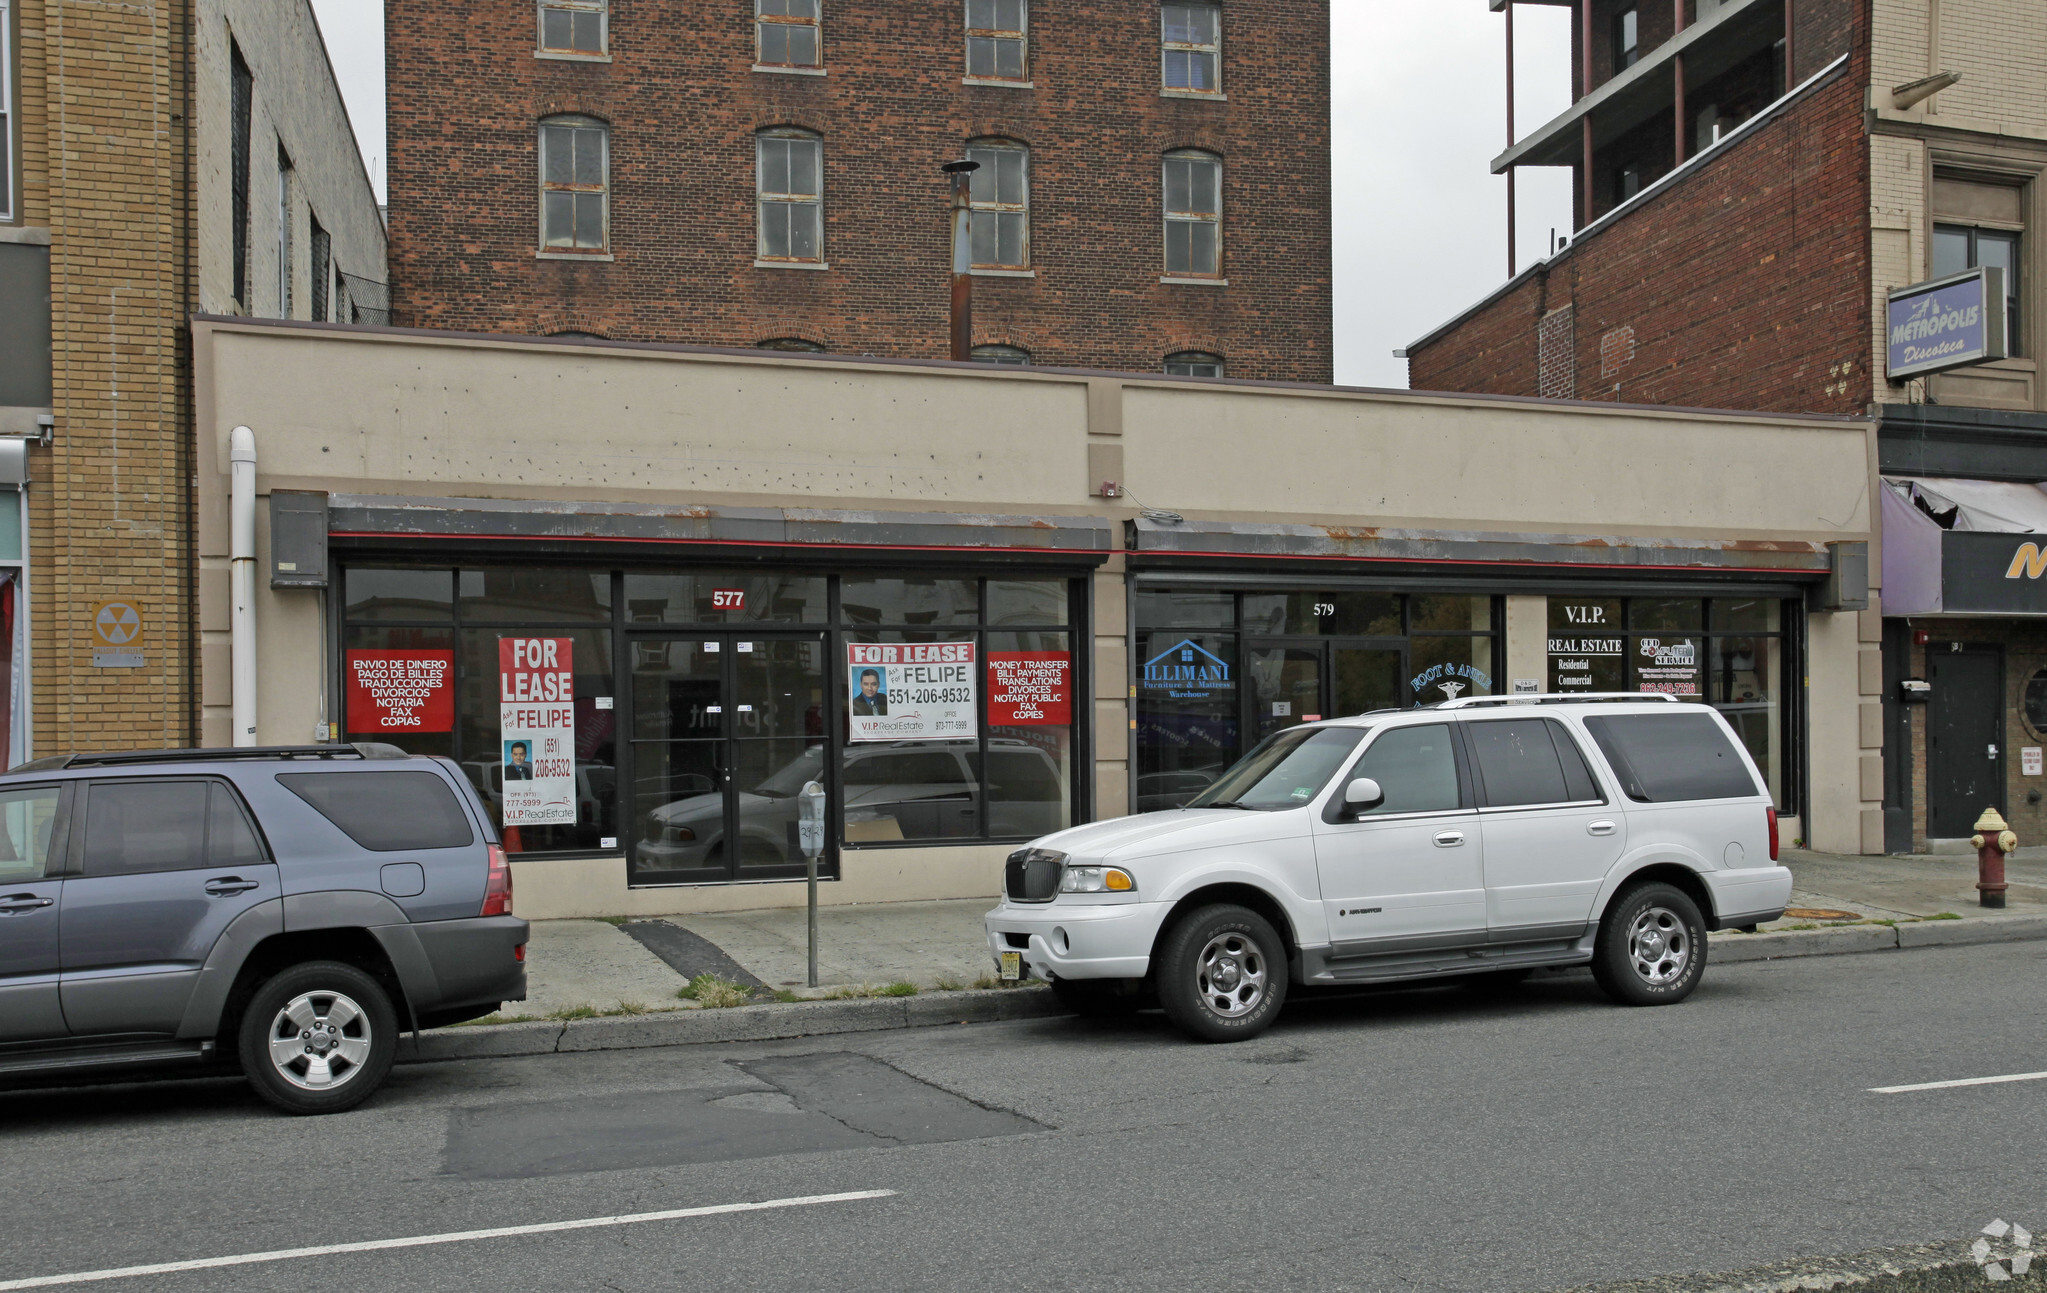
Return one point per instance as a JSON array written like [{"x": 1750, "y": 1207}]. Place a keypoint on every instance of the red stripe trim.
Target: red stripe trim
[{"x": 719, "y": 543}]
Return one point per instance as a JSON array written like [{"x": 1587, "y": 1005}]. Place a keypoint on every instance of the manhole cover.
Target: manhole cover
[{"x": 1819, "y": 913}]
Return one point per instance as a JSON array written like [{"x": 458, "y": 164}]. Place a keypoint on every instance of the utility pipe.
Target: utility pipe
[
  {"x": 962, "y": 258},
  {"x": 241, "y": 525},
  {"x": 1510, "y": 137}
]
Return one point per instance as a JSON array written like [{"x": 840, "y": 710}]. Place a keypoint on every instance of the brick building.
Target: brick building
[
  {"x": 1153, "y": 192},
  {"x": 1752, "y": 179},
  {"x": 159, "y": 160}
]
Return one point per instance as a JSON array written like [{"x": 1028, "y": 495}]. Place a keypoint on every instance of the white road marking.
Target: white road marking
[
  {"x": 1929, "y": 1086},
  {"x": 421, "y": 1241}
]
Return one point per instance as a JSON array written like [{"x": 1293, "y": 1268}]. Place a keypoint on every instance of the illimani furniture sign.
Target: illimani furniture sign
[{"x": 1946, "y": 323}]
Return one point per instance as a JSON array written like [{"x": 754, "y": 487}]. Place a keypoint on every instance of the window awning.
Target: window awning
[
  {"x": 1999, "y": 506},
  {"x": 1954, "y": 546}
]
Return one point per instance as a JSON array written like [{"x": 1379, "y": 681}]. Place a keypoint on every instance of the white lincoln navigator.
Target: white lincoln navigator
[{"x": 1490, "y": 835}]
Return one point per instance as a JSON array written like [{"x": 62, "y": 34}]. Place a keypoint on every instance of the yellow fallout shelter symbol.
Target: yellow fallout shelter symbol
[{"x": 116, "y": 635}]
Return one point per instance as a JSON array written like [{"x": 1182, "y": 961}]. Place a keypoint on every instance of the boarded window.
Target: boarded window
[{"x": 386, "y": 812}]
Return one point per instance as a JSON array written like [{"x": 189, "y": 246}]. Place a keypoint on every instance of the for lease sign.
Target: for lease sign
[
  {"x": 537, "y": 730},
  {"x": 911, "y": 691}
]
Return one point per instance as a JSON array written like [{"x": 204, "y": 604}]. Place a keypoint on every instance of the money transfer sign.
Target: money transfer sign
[
  {"x": 401, "y": 691},
  {"x": 1028, "y": 687},
  {"x": 537, "y": 730},
  {"x": 911, "y": 691}
]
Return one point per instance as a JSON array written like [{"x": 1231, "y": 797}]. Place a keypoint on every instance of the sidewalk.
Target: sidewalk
[{"x": 632, "y": 967}]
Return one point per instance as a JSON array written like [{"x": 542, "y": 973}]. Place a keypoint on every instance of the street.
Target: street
[{"x": 1443, "y": 1138}]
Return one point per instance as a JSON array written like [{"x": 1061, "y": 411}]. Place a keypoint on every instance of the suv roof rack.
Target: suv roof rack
[
  {"x": 1558, "y": 698},
  {"x": 124, "y": 758}
]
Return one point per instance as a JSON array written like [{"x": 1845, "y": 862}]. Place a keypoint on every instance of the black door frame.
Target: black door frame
[
  {"x": 1937, "y": 702},
  {"x": 1327, "y": 645},
  {"x": 726, "y": 635}
]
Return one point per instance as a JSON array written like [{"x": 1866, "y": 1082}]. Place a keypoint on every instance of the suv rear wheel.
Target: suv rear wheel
[
  {"x": 1651, "y": 948},
  {"x": 1222, "y": 974},
  {"x": 318, "y": 1038}
]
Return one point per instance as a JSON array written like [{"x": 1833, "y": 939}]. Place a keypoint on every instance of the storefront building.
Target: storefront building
[{"x": 643, "y": 594}]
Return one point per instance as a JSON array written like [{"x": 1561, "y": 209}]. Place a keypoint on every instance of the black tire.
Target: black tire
[
  {"x": 1253, "y": 961},
  {"x": 1651, "y": 948},
  {"x": 1100, "y": 998},
  {"x": 348, "y": 1031}
]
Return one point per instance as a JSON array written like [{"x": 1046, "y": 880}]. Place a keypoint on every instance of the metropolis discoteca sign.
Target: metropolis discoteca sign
[{"x": 1946, "y": 323}]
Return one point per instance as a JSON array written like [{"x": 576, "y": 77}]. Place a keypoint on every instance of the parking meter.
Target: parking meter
[{"x": 810, "y": 837}]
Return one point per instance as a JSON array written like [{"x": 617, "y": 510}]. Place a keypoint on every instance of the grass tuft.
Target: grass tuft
[
  {"x": 1943, "y": 915},
  {"x": 897, "y": 990},
  {"x": 575, "y": 1012},
  {"x": 712, "y": 992},
  {"x": 632, "y": 1007},
  {"x": 612, "y": 920},
  {"x": 947, "y": 983}
]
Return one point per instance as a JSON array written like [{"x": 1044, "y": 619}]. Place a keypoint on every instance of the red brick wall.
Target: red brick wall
[
  {"x": 466, "y": 92},
  {"x": 1746, "y": 284}
]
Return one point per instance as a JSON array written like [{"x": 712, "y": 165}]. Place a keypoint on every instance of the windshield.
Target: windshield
[{"x": 1286, "y": 770}]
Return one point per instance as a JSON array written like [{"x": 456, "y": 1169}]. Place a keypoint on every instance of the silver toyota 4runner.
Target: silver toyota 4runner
[
  {"x": 1483, "y": 836},
  {"x": 289, "y": 910}
]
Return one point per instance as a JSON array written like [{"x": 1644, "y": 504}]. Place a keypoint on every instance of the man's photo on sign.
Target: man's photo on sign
[
  {"x": 518, "y": 764},
  {"x": 870, "y": 691}
]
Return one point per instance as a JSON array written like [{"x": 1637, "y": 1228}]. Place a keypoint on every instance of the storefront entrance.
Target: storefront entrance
[
  {"x": 1965, "y": 757},
  {"x": 1302, "y": 680},
  {"x": 725, "y": 729}
]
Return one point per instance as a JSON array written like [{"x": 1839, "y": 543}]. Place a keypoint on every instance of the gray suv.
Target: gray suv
[{"x": 289, "y": 909}]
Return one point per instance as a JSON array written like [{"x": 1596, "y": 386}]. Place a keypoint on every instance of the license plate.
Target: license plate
[{"x": 1012, "y": 966}]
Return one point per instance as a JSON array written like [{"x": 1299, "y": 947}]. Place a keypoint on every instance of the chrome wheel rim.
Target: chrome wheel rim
[
  {"x": 319, "y": 1041},
  {"x": 1231, "y": 975},
  {"x": 1659, "y": 947}
]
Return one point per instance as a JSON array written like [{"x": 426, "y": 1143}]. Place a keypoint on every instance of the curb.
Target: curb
[
  {"x": 1728, "y": 949},
  {"x": 731, "y": 1024},
  {"x": 1920, "y": 1268}
]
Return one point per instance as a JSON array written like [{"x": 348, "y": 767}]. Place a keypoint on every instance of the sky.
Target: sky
[{"x": 1418, "y": 109}]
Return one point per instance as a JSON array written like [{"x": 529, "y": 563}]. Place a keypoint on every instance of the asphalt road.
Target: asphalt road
[{"x": 1428, "y": 1139}]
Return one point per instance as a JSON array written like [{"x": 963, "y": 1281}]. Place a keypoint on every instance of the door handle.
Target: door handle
[
  {"x": 14, "y": 902},
  {"x": 229, "y": 884},
  {"x": 1449, "y": 839},
  {"x": 1599, "y": 828}
]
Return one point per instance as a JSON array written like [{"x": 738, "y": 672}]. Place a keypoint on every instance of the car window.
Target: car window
[
  {"x": 1579, "y": 783},
  {"x": 921, "y": 768},
  {"x": 230, "y": 840},
  {"x": 1416, "y": 767},
  {"x": 1518, "y": 763},
  {"x": 28, "y": 818},
  {"x": 1662, "y": 758},
  {"x": 385, "y": 812},
  {"x": 1285, "y": 770},
  {"x": 136, "y": 827}
]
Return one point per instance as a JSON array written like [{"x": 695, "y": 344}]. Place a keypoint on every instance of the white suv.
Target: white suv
[{"x": 1489, "y": 836}]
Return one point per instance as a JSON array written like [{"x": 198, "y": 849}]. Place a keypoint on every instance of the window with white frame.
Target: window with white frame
[
  {"x": 1190, "y": 39},
  {"x": 1006, "y": 356},
  {"x": 1194, "y": 187},
  {"x": 789, "y": 174},
  {"x": 574, "y": 26},
  {"x": 574, "y": 185},
  {"x": 6, "y": 111},
  {"x": 790, "y": 33},
  {"x": 1194, "y": 363},
  {"x": 995, "y": 40},
  {"x": 1000, "y": 196}
]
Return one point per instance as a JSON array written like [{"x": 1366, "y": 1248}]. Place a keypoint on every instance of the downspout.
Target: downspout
[{"x": 241, "y": 506}]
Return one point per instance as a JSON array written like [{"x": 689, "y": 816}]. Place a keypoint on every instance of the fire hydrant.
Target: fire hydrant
[{"x": 1993, "y": 839}]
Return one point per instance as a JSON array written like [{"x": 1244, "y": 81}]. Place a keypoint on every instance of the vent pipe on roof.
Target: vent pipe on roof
[
  {"x": 241, "y": 515},
  {"x": 962, "y": 258}
]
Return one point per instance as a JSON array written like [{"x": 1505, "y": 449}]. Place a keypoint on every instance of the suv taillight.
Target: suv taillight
[
  {"x": 497, "y": 886},
  {"x": 1773, "y": 832}
]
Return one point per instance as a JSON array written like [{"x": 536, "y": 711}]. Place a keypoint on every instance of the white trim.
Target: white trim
[
  {"x": 788, "y": 71},
  {"x": 1194, "y": 282},
  {"x": 1214, "y": 96},
  {"x": 792, "y": 264},
  {"x": 997, "y": 82},
  {"x": 600, "y": 256},
  {"x": 1003, "y": 273}
]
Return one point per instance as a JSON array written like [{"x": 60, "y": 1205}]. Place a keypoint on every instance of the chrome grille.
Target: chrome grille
[{"x": 1032, "y": 875}]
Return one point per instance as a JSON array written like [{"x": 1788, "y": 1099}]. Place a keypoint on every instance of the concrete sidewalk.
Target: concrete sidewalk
[{"x": 612, "y": 967}]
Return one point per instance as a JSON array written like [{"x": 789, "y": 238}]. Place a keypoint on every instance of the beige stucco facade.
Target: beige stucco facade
[{"x": 1533, "y": 496}]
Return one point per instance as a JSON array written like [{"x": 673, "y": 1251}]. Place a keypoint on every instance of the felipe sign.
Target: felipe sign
[{"x": 1946, "y": 323}]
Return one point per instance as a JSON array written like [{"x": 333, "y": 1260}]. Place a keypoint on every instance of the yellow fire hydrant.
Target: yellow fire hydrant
[{"x": 1993, "y": 839}]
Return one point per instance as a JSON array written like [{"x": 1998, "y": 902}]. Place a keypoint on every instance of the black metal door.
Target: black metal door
[{"x": 1964, "y": 740}]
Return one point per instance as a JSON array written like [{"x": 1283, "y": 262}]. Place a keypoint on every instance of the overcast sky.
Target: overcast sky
[{"x": 1419, "y": 108}]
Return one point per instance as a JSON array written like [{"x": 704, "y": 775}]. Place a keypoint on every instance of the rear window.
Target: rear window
[
  {"x": 1663, "y": 758},
  {"x": 385, "y": 812}
]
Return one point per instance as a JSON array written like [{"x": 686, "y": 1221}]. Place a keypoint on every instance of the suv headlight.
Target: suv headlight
[{"x": 1096, "y": 879}]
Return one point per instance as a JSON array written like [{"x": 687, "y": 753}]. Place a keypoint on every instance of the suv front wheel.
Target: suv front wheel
[
  {"x": 318, "y": 1038},
  {"x": 1651, "y": 948},
  {"x": 1222, "y": 974}
]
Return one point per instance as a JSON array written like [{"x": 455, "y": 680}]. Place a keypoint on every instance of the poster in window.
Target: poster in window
[
  {"x": 1586, "y": 663},
  {"x": 537, "y": 730},
  {"x": 401, "y": 691},
  {"x": 1027, "y": 688},
  {"x": 911, "y": 691},
  {"x": 1667, "y": 665}
]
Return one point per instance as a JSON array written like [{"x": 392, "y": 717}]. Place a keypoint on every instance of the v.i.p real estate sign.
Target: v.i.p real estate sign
[{"x": 1946, "y": 323}]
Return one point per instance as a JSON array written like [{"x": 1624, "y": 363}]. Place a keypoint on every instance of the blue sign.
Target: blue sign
[
  {"x": 1946, "y": 323},
  {"x": 1452, "y": 679},
  {"x": 1185, "y": 671}
]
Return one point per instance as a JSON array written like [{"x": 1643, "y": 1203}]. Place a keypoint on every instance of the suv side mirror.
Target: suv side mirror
[{"x": 1362, "y": 795}]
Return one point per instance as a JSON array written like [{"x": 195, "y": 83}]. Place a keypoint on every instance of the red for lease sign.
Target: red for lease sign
[
  {"x": 401, "y": 691},
  {"x": 1029, "y": 687}
]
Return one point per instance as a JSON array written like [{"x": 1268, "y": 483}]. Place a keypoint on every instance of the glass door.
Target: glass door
[
  {"x": 1366, "y": 677},
  {"x": 726, "y": 727},
  {"x": 1286, "y": 685}
]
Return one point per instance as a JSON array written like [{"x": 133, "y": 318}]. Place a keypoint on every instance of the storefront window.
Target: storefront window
[
  {"x": 594, "y": 735},
  {"x": 712, "y": 597},
  {"x": 1304, "y": 656},
  {"x": 1746, "y": 674},
  {"x": 910, "y": 599},
  {"x": 535, "y": 594},
  {"x": 400, "y": 595}
]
